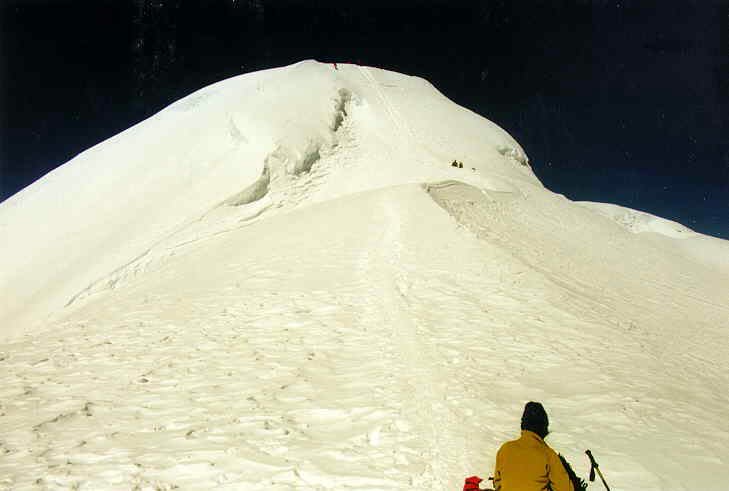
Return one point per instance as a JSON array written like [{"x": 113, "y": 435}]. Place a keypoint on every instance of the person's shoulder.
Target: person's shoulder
[
  {"x": 552, "y": 453},
  {"x": 508, "y": 445},
  {"x": 513, "y": 441}
]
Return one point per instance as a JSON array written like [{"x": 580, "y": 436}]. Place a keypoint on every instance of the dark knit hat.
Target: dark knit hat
[{"x": 535, "y": 419}]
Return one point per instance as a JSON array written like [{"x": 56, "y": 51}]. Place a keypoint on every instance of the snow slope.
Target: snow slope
[{"x": 280, "y": 282}]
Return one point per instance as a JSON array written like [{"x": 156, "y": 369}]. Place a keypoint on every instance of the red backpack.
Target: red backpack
[{"x": 472, "y": 483}]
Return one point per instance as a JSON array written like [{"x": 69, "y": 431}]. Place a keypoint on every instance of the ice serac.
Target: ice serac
[{"x": 282, "y": 282}]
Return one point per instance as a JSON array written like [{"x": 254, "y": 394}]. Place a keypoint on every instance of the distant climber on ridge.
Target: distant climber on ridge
[{"x": 529, "y": 464}]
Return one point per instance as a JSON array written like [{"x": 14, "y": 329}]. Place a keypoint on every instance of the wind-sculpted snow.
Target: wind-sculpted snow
[
  {"x": 253, "y": 192},
  {"x": 280, "y": 282},
  {"x": 640, "y": 222},
  {"x": 710, "y": 251}
]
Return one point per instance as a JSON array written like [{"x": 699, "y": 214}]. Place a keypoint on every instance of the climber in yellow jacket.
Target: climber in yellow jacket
[{"x": 529, "y": 464}]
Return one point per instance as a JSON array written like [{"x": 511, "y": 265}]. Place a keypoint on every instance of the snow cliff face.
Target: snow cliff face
[{"x": 282, "y": 282}]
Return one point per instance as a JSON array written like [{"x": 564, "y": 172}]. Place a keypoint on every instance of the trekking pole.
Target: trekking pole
[{"x": 595, "y": 467}]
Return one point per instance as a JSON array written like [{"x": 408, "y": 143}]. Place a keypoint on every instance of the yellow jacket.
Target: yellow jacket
[{"x": 528, "y": 464}]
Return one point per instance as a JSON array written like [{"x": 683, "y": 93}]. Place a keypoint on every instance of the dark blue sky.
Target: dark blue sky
[{"x": 618, "y": 101}]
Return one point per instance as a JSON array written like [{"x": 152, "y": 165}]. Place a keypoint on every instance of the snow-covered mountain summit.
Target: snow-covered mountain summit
[
  {"x": 282, "y": 282},
  {"x": 234, "y": 149}
]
